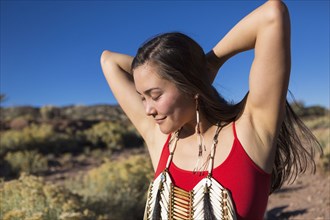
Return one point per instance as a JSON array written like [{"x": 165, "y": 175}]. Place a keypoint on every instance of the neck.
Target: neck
[{"x": 190, "y": 128}]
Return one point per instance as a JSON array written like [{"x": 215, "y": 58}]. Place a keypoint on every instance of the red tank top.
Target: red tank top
[{"x": 249, "y": 185}]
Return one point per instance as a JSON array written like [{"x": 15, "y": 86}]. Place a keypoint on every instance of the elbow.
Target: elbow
[
  {"x": 105, "y": 56},
  {"x": 107, "y": 62},
  {"x": 277, "y": 12}
]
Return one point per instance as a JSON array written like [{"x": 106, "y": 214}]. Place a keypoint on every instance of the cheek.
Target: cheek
[
  {"x": 176, "y": 106},
  {"x": 166, "y": 106}
]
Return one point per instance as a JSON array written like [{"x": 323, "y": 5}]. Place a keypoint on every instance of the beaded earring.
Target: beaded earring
[{"x": 200, "y": 139}]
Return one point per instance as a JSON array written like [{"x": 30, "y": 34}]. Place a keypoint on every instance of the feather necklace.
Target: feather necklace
[{"x": 207, "y": 200}]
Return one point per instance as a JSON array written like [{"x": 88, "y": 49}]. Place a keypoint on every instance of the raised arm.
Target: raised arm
[
  {"x": 117, "y": 71},
  {"x": 267, "y": 30}
]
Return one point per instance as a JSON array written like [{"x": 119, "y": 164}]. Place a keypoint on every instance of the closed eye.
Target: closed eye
[
  {"x": 155, "y": 94},
  {"x": 155, "y": 98}
]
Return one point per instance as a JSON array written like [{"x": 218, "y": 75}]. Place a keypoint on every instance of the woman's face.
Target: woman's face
[{"x": 162, "y": 100}]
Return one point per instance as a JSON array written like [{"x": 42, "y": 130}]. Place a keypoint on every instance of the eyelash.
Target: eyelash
[
  {"x": 156, "y": 98},
  {"x": 153, "y": 98}
]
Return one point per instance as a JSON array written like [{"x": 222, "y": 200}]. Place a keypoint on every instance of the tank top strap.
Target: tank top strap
[
  {"x": 163, "y": 157},
  {"x": 234, "y": 130}
]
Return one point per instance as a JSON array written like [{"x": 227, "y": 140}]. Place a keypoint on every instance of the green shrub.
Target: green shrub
[
  {"x": 30, "y": 197},
  {"x": 107, "y": 134},
  {"x": 42, "y": 138},
  {"x": 30, "y": 137},
  {"x": 26, "y": 161},
  {"x": 316, "y": 123},
  {"x": 116, "y": 189},
  {"x": 320, "y": 126},
  {"x": 323, "y": 135},
  {"x": 325, "y": 160},
  {"x": 95, "y": 112},
  {"x": 315, "y": 111},
  {"x": 26, "y": 112},
  {"x": 49, "y": 112},
  {"x": 311, "y": 111}
]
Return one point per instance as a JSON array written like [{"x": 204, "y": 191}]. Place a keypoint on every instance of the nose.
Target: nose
[{"x": 150, "y": 109}]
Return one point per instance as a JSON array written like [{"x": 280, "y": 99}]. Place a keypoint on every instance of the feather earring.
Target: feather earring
[{"x": 200, "y": 139}]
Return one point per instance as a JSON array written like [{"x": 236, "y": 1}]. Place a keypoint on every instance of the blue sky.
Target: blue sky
[{"x": 50, "y": 49}]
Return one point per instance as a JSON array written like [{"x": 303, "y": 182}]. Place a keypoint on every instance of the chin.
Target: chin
[{"x": 167, "y": 130}]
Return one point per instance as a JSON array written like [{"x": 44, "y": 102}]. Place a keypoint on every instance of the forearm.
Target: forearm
[{"x": 243, "y": 35}]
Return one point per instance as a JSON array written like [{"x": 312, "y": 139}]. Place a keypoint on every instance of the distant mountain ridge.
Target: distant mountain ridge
[
  {"x": 106, "y": 112},
  {"x": 72, "y": 112}
]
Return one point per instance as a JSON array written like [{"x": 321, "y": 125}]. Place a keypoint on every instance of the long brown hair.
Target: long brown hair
[{"x": 182, "y": 61}]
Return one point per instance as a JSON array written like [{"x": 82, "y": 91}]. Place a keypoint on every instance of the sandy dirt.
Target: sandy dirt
[{"x": 307, "y": 198}]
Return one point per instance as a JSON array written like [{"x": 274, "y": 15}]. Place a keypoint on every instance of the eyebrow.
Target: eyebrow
[{"x": 148, "y": 91}]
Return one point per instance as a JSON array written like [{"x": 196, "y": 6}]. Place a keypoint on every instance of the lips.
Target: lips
[{"x": 159, "y": 120}]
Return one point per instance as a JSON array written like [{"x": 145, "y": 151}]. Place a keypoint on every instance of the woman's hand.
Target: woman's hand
[{"x": 213, "y": 64}]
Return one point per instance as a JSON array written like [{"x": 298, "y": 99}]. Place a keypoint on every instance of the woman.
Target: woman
[{"x": 243, "y": 152}]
